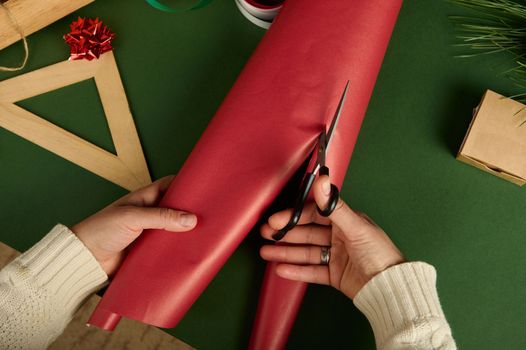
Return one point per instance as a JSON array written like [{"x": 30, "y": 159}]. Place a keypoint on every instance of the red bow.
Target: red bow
[{"x": 88, "y": 39}]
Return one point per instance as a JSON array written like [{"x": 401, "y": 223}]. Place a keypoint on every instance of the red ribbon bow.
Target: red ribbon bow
[{"x": 88, "y": 39}]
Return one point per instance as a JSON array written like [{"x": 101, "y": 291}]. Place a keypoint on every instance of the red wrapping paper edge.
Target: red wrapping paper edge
[
  {"x": 104, "y": 319},
  {"x": 276, "y": 313},
  {"x": 261, "y": 134},
  {"x": 280, "y": 299}
]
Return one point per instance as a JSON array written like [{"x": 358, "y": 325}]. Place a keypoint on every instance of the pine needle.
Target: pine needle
[{"x": 497, "y": 26}]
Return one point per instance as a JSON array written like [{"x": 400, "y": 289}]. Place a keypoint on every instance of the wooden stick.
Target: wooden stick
[
  {"x": 119, "y": 117},
  {"x": 66, "y": 145},
  {"x": 33, "y": 15},
  {"x": 128, "y": 168},
  {"x": 47, "y": 79}
]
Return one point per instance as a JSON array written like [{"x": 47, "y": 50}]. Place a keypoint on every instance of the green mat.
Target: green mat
[{"x": 176, "y": 70}]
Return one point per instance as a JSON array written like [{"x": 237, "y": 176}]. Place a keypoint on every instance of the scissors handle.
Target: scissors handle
[
  {"x": 306, "y": 185},
  {"x": 333, "y": 198}
]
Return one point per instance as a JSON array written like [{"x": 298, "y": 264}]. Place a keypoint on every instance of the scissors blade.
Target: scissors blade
[
  {"x": 322, "y": 151},
  {"x": 336, "y": 117}
]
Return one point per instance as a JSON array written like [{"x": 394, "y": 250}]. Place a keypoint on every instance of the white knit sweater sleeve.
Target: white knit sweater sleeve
[
  {"x": 42, "y": 288},
  {"x": 402, "y": 305}
]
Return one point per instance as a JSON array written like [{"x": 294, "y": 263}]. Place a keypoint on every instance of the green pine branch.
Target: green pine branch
[{"x": 497, "y": 26}]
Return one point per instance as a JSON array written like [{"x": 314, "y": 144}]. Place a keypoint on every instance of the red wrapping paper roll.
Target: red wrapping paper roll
[
  {"x": 259, "y": 137},
  {"x": 361, "y": 46}
]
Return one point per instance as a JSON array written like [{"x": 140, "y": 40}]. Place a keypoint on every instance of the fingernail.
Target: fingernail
[
  {"x": 188, "y": 220},
  {"x": 326, "y": 187}
]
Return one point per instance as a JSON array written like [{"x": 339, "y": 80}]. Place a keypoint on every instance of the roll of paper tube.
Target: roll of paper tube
[
  {"x": 260, "y": 12},
  {"x": 261, "y": 134}
]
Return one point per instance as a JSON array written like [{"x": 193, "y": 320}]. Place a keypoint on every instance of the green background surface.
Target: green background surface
[{"x": 177, "y": 69}]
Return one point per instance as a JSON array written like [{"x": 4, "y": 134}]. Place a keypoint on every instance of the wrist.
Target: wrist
[
  {"x": 381, "y": 266},
  {"x": 372, "y": 269},
  {"x": 381, "y": 255},
  {"x": 90, "y": 245}
]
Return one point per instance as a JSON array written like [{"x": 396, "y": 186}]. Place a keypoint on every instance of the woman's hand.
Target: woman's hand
[
  {"x": 107, "y": 233},
  {"x": 359, "y": 249}
]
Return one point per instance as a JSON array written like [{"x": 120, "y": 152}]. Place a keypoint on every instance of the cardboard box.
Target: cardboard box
[{"x": 496, "y": 138}]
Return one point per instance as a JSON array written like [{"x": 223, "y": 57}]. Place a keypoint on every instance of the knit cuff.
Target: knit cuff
[
  {"x": 401, "y": 296},
  {"x": 62, "y": 265}
]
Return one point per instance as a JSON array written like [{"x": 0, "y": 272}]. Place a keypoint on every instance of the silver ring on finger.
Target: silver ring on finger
[{"x": 325, "y": 255}]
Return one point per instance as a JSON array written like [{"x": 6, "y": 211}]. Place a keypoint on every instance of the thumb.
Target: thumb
[
  {"x": 160, "y": 218},
  {"x": 344, "y": 217}
]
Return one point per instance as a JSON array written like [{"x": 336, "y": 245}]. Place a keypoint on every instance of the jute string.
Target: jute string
[{"x": 21, "y": 32}]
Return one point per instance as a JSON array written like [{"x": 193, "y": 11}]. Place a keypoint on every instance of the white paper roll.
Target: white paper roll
[
  {"x": 260, "y": 16},
  {"x": 259, "y": 22},
  {"x": 266, "y": 14}
]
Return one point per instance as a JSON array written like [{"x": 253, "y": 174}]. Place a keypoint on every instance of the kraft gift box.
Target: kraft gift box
[{"x": 496, "y": 138}]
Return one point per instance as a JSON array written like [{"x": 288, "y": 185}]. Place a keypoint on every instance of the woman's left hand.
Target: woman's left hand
[{"x": 107, "y": 233}]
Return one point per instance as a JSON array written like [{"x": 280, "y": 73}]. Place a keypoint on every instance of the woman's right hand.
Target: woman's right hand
[{"x": 359, "y": 249}]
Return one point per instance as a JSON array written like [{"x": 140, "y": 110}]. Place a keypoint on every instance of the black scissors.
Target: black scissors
[{"x": 320, "y": 151}]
